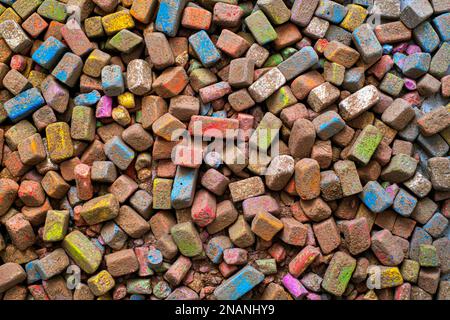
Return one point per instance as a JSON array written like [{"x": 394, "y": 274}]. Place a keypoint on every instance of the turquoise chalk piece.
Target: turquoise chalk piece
[
  {"x": 169, "y": 16},
  {"x": 404, "y": 203},
  {"x": 331, "y": 11},
  {"x": 332, "y": 124},
  {"x": 387, "y": 48},
  {"x": 155, "y": 257},
  {"x": 399, "y": 59},
  {"x": 219, "y": 114},
  {"x": 24, "y": 104},
  {"x": 49, "y": 53},
  {"x": 138, "y": 297},
  {"x": 426, "y": 37},
  {"x": 32, "y": 272},
  {"x": 112, "y": 81},
  {"x": 416, "y": 65},
  {"x": 239, "y": 284},
  {"x": 119, "y": 153},
  {"x": 87, "y": 99},
  {"x": 204, "y": 48},
  {"x": 442, "y": 25},
  {"x": 183, "y": 188},
  {"x": 375, "y": 197}
]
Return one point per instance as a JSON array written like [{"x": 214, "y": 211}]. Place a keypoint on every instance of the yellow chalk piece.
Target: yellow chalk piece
[
  {"x": 101, "y": 283},
  {"x": 59, "y": 142},
  {"x": 114, "y": 22},
  {"x": 127, "y": 100},
  {"x": 354, "y": 18}
]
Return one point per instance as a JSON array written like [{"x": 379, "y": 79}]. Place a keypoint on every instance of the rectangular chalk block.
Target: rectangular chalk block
[
  {"x": 239, "y": 284},
  {"x": 49, "y": 53},
  {"x": 82, "y": 251},
  {"x": 204, "y": 48},
  {"x": 169, "y": 16},
  {"x": 24, "y": 104},
  {"x": 298, "y": 63},
  {"x": 260, "y": 27},
  {"x": 183, "y": 188}
]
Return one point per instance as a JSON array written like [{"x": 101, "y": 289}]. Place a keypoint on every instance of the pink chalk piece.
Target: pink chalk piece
[
  {"x": 412, "y": 48},
  {"x": 313, "y": 296},
  {"x": 252, "y": 206},
  {"x": 293, "y": 285},
  {"x": 18, "y": 62},
  {"x": 410, "y": 84},
  {"x": 235, "y": 256},
  {"x": 203, "y": 210},
  {"x": 214, "y": 91},
  {"x": 104, "y": 107},
  {"x": 413, "y": 98},
  {"x": 213, "y": 127}
]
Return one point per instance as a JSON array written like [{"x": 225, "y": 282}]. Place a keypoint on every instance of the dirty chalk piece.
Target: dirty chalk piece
[{"x": 224, "y": 150}]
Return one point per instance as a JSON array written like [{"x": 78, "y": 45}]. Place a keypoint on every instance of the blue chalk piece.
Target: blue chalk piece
[
  {"x": 8, "y": 2},
  {"x": 183, "y": 188},
  {"x": 331, "y": 11},
  {"x": 87, "y": 99},
  {"x": 119, "y": 153},
  {"x": 33, "y": 274},
  {"x": 404, "y": 203},
  {"x": 416, "y": 65},
  {"x": 49, "y": 53},
  {"x": 387, "y": 49},
  {"x": 330, "y": 124},
  {"x": 169, "y": 16},
  {"x": 204, "y": 48},
  {"x": 437, "y": 225},
  {"x": 24, "y": 104},
  {"x": 375, "y": 197},
  {"x": 442, "y": 25},
  {"x": 204, "y": 108},
  {"x": 219, "y": 114},
  {"x": 112, "y": 81},
  {"x": 239, "y": 284},
  {"x": 99, "y": 246},
  {"x": 154, "y": 257},
  {"x": 138, "y": 297},
  {"x": 426, "y": 37},
  {"x": 399, "y": 59}
]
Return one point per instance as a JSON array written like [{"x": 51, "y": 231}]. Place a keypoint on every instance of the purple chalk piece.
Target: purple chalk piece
[
  {"x": 402, "y": 47},
  {"x": 410, "y": 84},
  {"x": 293, "y": 285},
  {"x": 104, "y": 107},
  {"x": 412, "y": 48}
]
